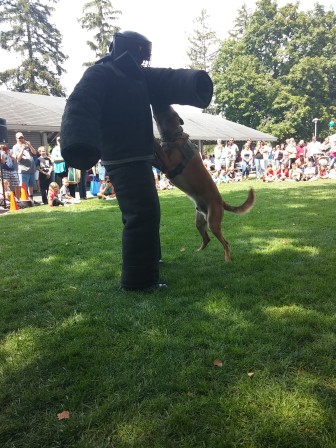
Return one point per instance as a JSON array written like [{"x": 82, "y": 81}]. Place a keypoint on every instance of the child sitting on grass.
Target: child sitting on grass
[
  {"x": 106, "y": 190},
  {"x": 269, "y": 175},
  {"x": 53, "y": 193},
  {"x": 65, "y": 193}
]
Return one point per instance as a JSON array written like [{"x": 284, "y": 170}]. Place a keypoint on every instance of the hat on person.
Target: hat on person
[{"x": 18, "y": 135}]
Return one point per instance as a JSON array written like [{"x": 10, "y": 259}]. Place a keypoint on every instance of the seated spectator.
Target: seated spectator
[
  {"x": 269, "y": 174},
  {"x": 232, "y": 176},
  {"x": 107, "y": 190},
  {"x": 207, "y": 162},
  {"x": 65, "y": 193},
  {"x": 332, "y": 173},
  {"x": 323, "y": 172},
  {"x": 283, "y": 172},
  {"x": 295, "y": 173},
  {"x": 53, "y": 194},
  {"x": 164, "y": 183},
  {"x": 301, "y": 162},
  {"x": 309, "y": 172}
]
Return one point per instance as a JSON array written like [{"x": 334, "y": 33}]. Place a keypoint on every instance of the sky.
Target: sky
[{"x": 166, "y": 24}]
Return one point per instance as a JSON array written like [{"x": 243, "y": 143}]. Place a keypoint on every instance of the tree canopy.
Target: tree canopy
[
  {"x": 203, "y": 44},
  {"x": 277, "y": 70},
  {"x": 29, "y": 33}
]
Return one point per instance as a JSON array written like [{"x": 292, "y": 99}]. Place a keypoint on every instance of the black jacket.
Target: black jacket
[{"x": 108, "y": 115}]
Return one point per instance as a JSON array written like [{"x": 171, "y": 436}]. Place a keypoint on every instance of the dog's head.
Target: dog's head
[{"x": 168, "y": 121}]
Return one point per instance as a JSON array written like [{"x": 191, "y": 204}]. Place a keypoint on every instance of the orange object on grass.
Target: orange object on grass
[
  {"x": 13, "y": 205},
  {"x": 24, "y": 193}
]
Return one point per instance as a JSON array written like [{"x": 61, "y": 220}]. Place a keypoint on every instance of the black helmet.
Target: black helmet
[{"x": 134, "y": 43}]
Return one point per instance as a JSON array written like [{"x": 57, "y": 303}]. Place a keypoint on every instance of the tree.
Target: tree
[
  {"x": 99, "y": 15},
  {"x": 278, "y": 73},
  {"x": 30, "y": 34},
  {"x": 241, "y": 22},
  {"x": 203, "y": 43}
]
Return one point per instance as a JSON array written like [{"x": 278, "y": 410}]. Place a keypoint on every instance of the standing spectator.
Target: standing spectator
[
  {"x": 59, "y": 163},
  {"x": 73, "y": 180},
  {"x": 301, "y": 149},
  {"x": 325, "y": 147},
  {"x": 313, "y": 149},
  {"x": 5, "y": 193},
  {"x": 218, "y": 153},
  {"x": 278, "y": 155},
  {"x": 24, "y": 153},
  {"x": 82, "y": 184},
  {"x": 156, "y": 174},
  {"x": 332, "y": 154},
  {"x": 259, "y": 160},
  {"x": 45, "y": 167},
  {"x": 291, "y": 152},
  {"x": 101, "y": 172},
  {"x": 247, "y": 159},
  {"x": 268, "y": 149},
  {"x": 233, "y": 151},
  {"x": 9, "y": 170}
]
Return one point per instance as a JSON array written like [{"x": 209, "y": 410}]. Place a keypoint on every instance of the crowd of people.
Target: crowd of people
[
  {"x": 45, "y": 172},
  {"x": 58, "y": 183},
  {"x": 289, "y": 161}
]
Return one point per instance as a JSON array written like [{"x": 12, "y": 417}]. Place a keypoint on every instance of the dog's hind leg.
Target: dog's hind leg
[
  {"x": 202, "y": 226},
  {"x": 215, "y": 216}
]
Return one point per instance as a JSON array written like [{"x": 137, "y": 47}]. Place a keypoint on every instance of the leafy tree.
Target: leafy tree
[
  {"x": 99, "y": 15},
  {"x": 278, "y": 72},
  {"x": 203, "y": 43},
  {"x": 29, "y": 33}
]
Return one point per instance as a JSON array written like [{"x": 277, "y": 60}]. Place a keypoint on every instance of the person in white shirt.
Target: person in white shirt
[
  {"x": 218, "y": 155},
  {"x": 313, "y": 148},
  {"x": 24, "y": 153}
]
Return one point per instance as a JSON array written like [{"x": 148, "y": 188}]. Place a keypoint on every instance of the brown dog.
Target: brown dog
[{"x": 180, "y": 160}]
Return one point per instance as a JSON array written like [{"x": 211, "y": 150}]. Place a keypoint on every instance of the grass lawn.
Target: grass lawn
[{"x": 137, "y": 371}]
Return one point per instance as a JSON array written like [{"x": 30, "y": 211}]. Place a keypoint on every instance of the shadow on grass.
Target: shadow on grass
[{"x": 137, "y": 371}]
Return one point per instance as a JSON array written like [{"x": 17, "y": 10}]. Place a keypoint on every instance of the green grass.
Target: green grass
[{"x": 136, "y": 371}]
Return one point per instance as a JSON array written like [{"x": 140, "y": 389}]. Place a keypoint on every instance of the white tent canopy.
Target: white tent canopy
[{"x": 29, "y": 112}]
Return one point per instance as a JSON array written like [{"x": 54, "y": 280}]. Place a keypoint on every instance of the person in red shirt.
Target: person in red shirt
[
  {"x": 283, "y": 172},
  {"x": 301, "y": 149},
  {"x": 269, "y": 175}
]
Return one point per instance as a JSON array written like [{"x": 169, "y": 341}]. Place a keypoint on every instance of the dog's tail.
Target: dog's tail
[{"x": 243, "y": 208}]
